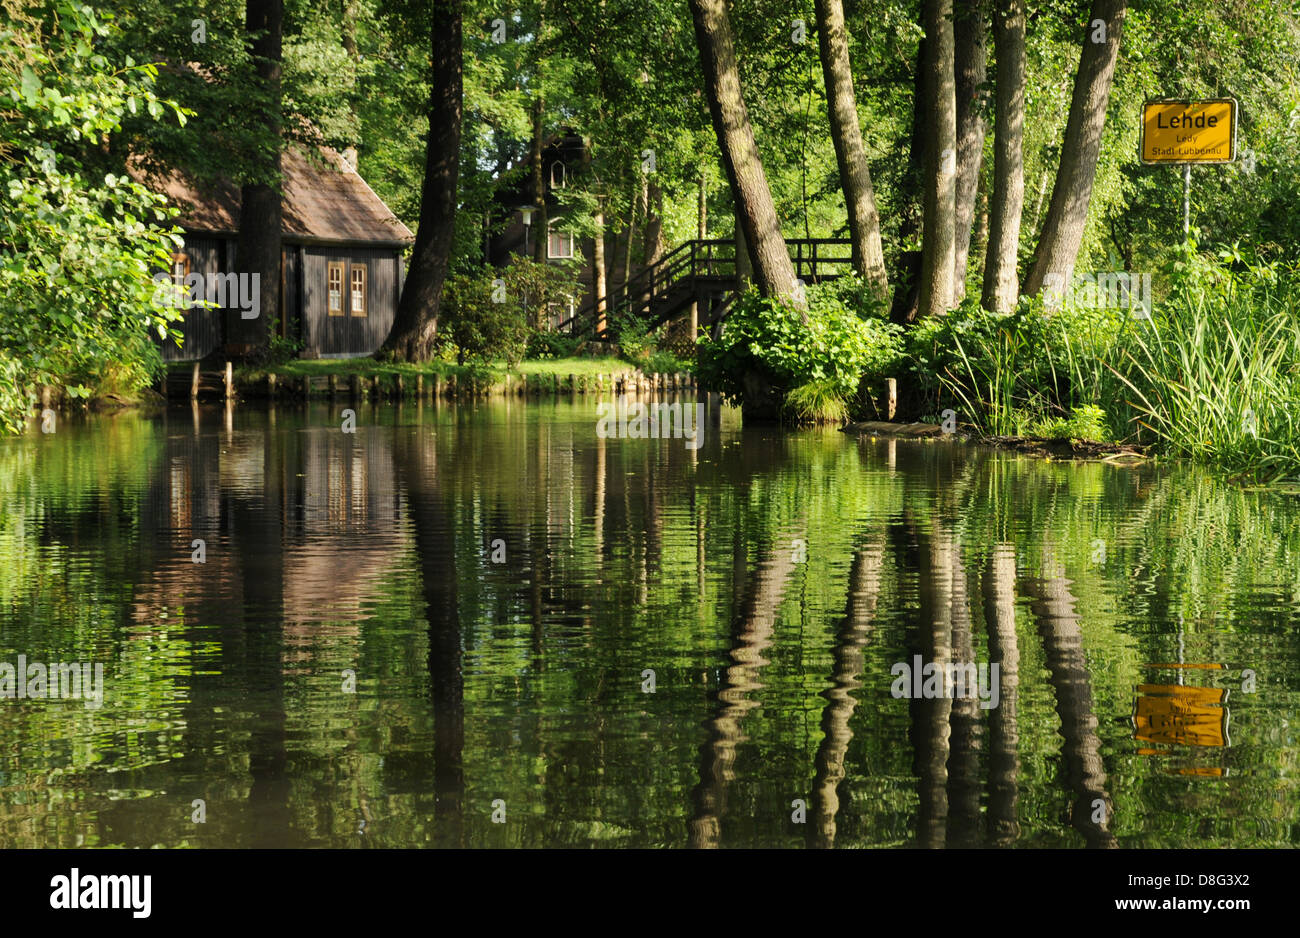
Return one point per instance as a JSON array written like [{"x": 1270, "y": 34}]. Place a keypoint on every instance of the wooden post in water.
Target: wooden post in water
[
  {"x": 891, "y": 398},
  {"x": 270, "y": 385},
  {"x": 194, "y": 381},
  {"x": 419, "y": 386},
  {"x": 333, "y": 386},
  {"x": 230, "y": 381}
]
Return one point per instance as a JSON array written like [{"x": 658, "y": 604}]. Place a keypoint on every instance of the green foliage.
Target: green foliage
[
  {"x": 1217, "y": 376},
  {"x": 1006, "y": 372},
  {"x": 479, "y": 322},
  {"x": 544, "y": 344},
  {"x": 77, "y": 245},
  {"x": 785, "y": 347},
  {"x": 664, "y": 362},
  {"x": 817, "y": 402},
  {"x": 1087, "y": 422}
]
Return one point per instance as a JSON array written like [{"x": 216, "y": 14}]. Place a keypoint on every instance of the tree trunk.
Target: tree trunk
[
  {"x": 1001, "y": 285},
  {"x": 773, "y": 271},
  {"x": 701, "y": 232},
  {"x": 350, "y": 29},
  {"x": 846, "y": 133},
  {"x": 971, "y": 71},
  {"x": 652, "y": 242},
  {"x": 598, "y": 282},
  {"x": 416, "y": 322},
  {"x": 541, "y": 231},
  {"x": 635, "y": 197},
  {"x": 908, "y": 280},
  {"x": 939, "y": 208},
  {"x": 257, "y": 250},
  {"x": 1058, "y": 245}
]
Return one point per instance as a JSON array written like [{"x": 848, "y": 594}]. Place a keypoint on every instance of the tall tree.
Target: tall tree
[
  {"x": 939, "y": 207},
  {"x": 846, "y": 133},
  {"x": 416, "y": 322},
  {"x": 1001, "y": 285},
  {"x": 756, "y": 212},
  {"x": 908, "y": 201},
  {"x": 970, "y": 59},
  {"x": 1062, "y": 235},
  {"x": 257, "y": 250}
]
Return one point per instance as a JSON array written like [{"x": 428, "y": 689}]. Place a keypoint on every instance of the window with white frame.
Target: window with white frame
[{"x": 560, "y": 243}]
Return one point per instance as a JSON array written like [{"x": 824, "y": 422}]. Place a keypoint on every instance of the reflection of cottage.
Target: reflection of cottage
[{"x": 341, "y": 265}]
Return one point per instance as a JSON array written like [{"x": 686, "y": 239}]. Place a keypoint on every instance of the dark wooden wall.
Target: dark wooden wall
[
  {"x": 201, "y": 328},
  {"x": 326, "y": 336}
]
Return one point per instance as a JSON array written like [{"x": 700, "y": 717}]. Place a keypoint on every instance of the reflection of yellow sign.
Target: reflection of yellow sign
[
  {"x": 1189, "y": 131},
  {"x": 1188, "y": 716}
]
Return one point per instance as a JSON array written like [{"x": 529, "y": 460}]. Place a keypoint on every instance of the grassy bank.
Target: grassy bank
[{"x": 1213, "y": 375}]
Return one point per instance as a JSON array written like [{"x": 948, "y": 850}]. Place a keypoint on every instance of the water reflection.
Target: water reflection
[{"x": 395, "y": 634}]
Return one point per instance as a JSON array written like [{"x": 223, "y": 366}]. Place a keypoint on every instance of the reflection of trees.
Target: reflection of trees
[
  {"x": 864, "y": 589},
  {"x": 433, "y": 526},
  {"x": 1058, "y": 627},
  {"x": 1004, "y": 733},
  {"x": 751, "y": 634},
  {"x": 930, "y": 717},
  {"x": 259, "y": 539},
  {"x": 964, "y": 742}
]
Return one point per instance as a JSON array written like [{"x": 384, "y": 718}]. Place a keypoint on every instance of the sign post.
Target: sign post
[{"x": 1184, "y": 133}]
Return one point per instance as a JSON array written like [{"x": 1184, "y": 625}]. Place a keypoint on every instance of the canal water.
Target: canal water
[{"x": 496, "y": 624}]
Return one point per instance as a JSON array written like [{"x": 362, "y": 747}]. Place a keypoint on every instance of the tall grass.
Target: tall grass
[
  {"x": 1214, "y": 376},
  {"x": 1217, "y": 379}
]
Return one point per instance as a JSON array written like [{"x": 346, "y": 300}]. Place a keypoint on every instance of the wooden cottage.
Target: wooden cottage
[
  {"x": 341, "y": 265},
  {"x": 517, "y": 226}
]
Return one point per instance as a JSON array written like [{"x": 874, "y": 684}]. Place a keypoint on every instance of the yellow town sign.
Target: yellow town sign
[{"x": 1189, "y": 131}]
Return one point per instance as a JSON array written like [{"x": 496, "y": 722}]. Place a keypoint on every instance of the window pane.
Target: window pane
[{"x": 358, "y": 289}]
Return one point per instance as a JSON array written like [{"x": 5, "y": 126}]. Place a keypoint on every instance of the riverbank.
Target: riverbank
[
  {"x": 364, "y": 377},
  {"x": 1044, "y": 447}
]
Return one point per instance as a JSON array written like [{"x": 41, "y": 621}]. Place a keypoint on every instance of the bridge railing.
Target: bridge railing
[{"x": 707, "y": 262}]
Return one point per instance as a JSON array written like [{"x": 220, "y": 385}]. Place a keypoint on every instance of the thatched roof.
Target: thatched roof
[{"x": 324, "y": 202}]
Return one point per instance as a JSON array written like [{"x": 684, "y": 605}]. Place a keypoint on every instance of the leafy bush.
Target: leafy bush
[
  {"x": 79, "y": 242},
  {"x": 663, "y": 362},
  {"x": 1006, "y": 373},
  {"x": 817, "y": 402},
  {"x": 635, "y": 344},
  {"x": 544, "y": 344},
  {"x": 1088, "y": 422},
  {"x": 479, "y": 324},
  {"x": 776, "y": 342}
]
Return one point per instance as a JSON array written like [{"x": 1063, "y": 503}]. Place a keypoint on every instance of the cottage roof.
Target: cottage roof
[{"x": 324, "y": 202}]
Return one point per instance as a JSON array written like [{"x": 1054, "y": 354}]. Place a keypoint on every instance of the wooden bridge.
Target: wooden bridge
[{"x": 700, "y": 272}]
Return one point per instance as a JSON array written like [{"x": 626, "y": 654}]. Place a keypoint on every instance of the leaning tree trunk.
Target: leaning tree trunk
[
  {"x": 257, "y": 250},
  {"x": 1058, "y": 246},
  {"x": 773, "y": 272},
  {"x": 416, "y": 323},
  {"x": 939, "y": 207},
  {"x": 1001, "y": 285},
  {"x": 971, "y": 70},
  {"x": 846, "y": 133}
]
